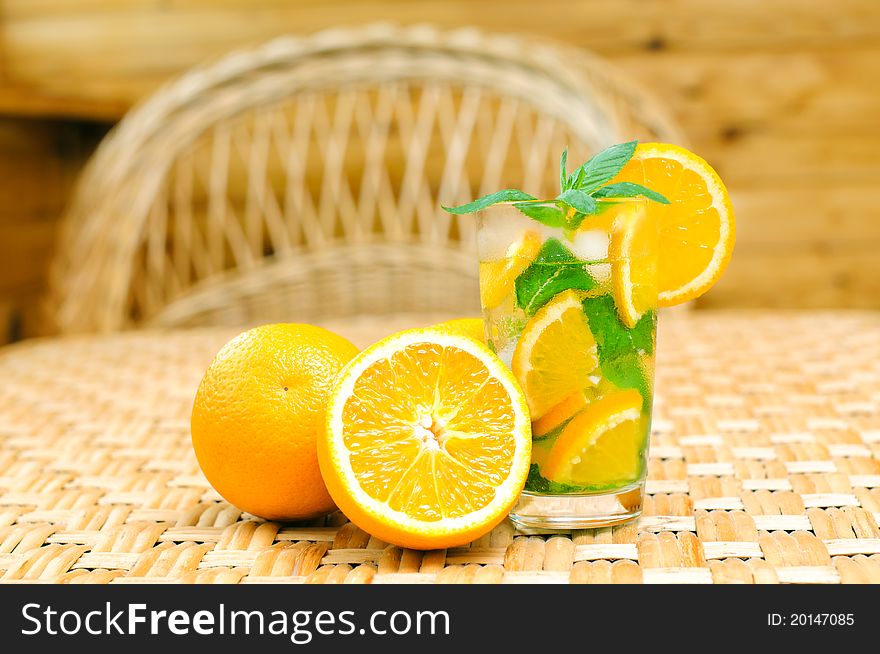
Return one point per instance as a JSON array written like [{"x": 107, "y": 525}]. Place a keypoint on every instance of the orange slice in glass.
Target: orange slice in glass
[
  {"x": 563, "y": 411},
  {"x": 602, "y": 445},
  {"x": 497, "y": 277},
  {"x": 556, "y": 354}
]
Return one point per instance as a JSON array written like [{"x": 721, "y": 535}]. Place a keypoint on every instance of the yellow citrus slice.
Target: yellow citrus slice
[
  {"x": 556, "y": 354},
  {"x": 697, "y": 230},
  {"x": 633, "y": 253},
  {"x": 472, "y": 327},
  {"x": 427, "y": 441},
  {"x": 563, "y": 411},
  {"x": 602, "y": 445},
  {"x": 497, "y": 277}
]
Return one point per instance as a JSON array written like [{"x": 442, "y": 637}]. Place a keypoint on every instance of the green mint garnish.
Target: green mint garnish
[
  {"x": 554, "y": 270},
  {"x": 578, "y": 191},
  {"x": 548, "y": 214},
  {"x": 507, "y": 195},
  {"x": 626, "y": 371},
  {"x": 536, "y": 483},
  {"x": 563, "y": 170},
  {"x": 602, "y": 168},
  {"x": 582, "y": 202},
  {"x": 612, "y": 336},
  {"x": 628, "y": 190},
  {"x": 620, "y": 347}
]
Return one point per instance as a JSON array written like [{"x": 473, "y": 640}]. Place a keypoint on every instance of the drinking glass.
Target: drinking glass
[{"x": 572, "y": 311}]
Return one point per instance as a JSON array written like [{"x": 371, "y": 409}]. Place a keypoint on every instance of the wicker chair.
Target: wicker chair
[{"x": 302, "y": 180}]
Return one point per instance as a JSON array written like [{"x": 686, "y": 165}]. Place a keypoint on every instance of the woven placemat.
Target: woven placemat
[{"x": 765, "y": 467}]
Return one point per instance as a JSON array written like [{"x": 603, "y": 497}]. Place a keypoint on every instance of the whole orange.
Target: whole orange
[{"x": 257, "y": 413}]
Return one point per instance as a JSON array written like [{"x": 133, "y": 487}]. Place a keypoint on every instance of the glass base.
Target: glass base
[{"x": 564, "y": 512}]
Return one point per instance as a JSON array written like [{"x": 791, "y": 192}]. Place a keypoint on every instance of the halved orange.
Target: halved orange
[
  {"x": 427, "y": 441},
  {"x": 697, "y": 229},
  {"x": 556, "y": 354},
  {"x": 472, "y": 327},
  {"x": 497, "y": 277},
  {"x": 602, "y": 445}
]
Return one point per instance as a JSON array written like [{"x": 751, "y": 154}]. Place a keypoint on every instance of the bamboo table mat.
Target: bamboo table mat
[{"x": 765, "y": 467}]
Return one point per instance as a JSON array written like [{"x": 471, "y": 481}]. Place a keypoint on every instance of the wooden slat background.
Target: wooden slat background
[{"x": 782, "y": 97}]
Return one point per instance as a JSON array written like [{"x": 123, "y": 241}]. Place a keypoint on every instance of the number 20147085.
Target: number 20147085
[{"x": 810, "y": 619}]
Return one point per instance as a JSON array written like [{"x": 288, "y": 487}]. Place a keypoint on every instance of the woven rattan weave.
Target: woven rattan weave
[
  {"x": 765, "y": 467},
  {"x": 304, "y": 177}
]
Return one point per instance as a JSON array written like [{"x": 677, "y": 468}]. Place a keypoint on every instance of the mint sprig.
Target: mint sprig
[
  {"x": 507, "y": 195},
  {"x": 602, "y": 167},
  {"x": 582, "y": 201},
  {"x": 548, "y": 214},
  {"x": 578, "y": 191},
  {"x": 628, "y": 190}
]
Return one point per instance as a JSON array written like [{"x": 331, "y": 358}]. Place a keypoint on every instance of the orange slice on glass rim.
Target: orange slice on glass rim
[
  {"x": 697, "y": 229},
  {"x": 634, "y": 254}
]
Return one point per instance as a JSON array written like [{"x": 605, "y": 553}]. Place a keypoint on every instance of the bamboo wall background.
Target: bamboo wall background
[{"x": 782, "y": 97}]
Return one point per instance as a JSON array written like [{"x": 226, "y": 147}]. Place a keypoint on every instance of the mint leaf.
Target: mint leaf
[
  {"x": 582, "y": 205},
  {"x": 547, "y": 214},
  {"x": 572, "y": 222},
  {"x": 563, "y": 170},
  {"x": 507, "y": 195},
  {"x": 574, "y": 181},
  {"x": 580, "y": 200},
  {"x": 612, "y": 336},
  {"x": 644, "y": 333},
  {"x": 628, "y": 190},
  {"x": 604, "y": 166},
  {"x": 627, "y": 371},
  {"x": 552, "y": 251},
  {"x": 554, "y": 270},
  {"x": 536, "y": 483},
  {"x": 620, "y": 347}
]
